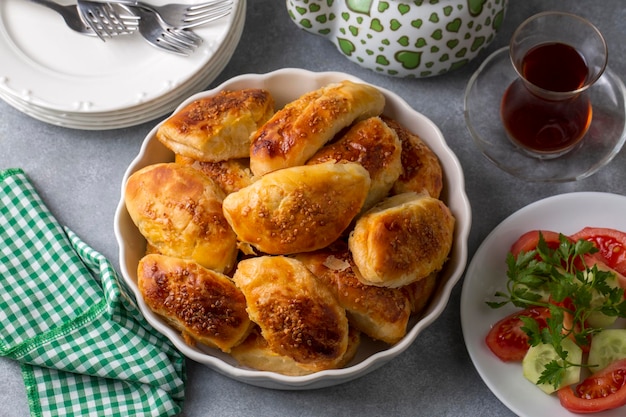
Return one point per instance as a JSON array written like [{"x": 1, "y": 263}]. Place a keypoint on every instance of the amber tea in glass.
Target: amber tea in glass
[{"x": 557, "y": 56}]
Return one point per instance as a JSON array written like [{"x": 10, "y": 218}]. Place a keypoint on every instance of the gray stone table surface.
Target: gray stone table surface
[{"x": 78, "y": 174}]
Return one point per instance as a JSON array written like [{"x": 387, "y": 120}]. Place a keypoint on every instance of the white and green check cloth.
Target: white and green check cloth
[{"x": 84, "y": 348}]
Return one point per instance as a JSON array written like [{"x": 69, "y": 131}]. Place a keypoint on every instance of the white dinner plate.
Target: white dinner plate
[
  {"x": 486, "y": 274},
  {"x": 53, "y": 70}
]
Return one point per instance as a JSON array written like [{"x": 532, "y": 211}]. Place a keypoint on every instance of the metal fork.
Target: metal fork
[
  {"x": 184, "y": 16},
  {"x": 69, "y": 14},
  {"x": 107, "y": 20},
  {"x": 73, "y": 20},
  {"x": 169, "y": 38}
]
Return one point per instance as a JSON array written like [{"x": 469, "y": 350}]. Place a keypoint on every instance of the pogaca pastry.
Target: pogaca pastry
[
  {"x": 298, "y": 130},
  {"x": 379, "y": 312},
  {"x": 298, "y": 316},
  {"x": 217, "y": 128},
  {"x": 298, "y": 209},
  {"x": 255, "y": 353},
  {"x": 421, "y": 170},
  {"x": 231, "y": 175},
  {"x": 373, "y": 145},
  {"x": 204, "y": 305},
  {"x": 178, "y": 210},
  {"x": 402, "y": 240}
]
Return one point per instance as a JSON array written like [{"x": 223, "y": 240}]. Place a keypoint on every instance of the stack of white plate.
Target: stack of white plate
[{"x": 64, "y": 78}]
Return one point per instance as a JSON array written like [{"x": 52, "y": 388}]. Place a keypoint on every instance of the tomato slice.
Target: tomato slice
[
  {"x": 603, "y": 390},
  {"x": 529, "y": 240},
  {"x": 507, "y": 340},
  {"x": 610, "y": 242}
]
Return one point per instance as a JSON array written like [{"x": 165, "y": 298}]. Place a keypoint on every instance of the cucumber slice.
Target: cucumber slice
[
  {"x": 606, "y": 347},
  {"x": 541, "y": 291},
  {"x": 600, "y": 320},
  {"x": 597, "y": 319},
  {"x": 539, "y": 356}
]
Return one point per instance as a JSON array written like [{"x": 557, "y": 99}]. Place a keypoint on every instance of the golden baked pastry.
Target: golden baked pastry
[
  {"x": 421, "y": 169},
  {"x": 217, "y": 128},
  {"x": 298, "y": 209},
  {"x": 231, "y": 175},
  {"x": 376, "y": 147},
  {"x": 295, "y": 132},
  {"x": 204, "y": 305},
  {"x": 255, "y": 353},
  {"x": 379, "y": 312},
  {"x": 178, "y": 210},
  {"x": 150, "y": 249},
  {"x": 402, "y": 240},
  {"x": 298, "y": 316},
  {"x": 419, "y": 292}
]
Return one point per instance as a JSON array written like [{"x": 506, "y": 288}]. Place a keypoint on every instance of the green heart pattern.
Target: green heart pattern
[{"x": 396, "y": 38}]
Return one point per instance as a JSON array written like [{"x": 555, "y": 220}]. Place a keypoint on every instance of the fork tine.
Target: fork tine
[
  {"x": 207, "y": 17},
  {"x": 168, "y": 46},
  {"x": 186, "y": 35},
  {"x": 153, "y": 28},
  {"x": 177, "y": 43},
  {"x": 182, "y": 37},
  {"x": 123, "y": 21},
  {"x": 204, "y": 20},
  {"x": 209, "y": 5},
  {"x": 208, "y": 12},
  {"x": 105, "y": 20},
  {"x": 92, "y": 22}
]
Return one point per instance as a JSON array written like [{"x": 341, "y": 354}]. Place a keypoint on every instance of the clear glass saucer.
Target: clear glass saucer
[{"x": 603, "y": 141}]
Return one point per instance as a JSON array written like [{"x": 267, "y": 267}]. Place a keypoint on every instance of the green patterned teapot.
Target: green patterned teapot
[{"x": 419, "y": 38}]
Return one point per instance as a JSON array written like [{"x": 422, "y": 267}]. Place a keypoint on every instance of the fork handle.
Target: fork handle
[
  {"x": 49, "y": 3},
  {"x": 135, "y": 3}
]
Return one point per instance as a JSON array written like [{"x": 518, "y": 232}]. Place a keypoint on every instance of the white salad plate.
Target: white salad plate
[
  {"x": 61, "y": 77},
  {"x": 486, "y": 274},
  {"x": 286, "y": 85}
]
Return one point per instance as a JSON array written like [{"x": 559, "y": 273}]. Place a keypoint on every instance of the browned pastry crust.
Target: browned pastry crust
[
  {"x": 231, "y": 175},
  {"x": 178, "y": 210},
  {"x": 204, "y": 305},
  {"x": 255, "y": 353},
  {"x": 379, "y": 312},
  {"x": 217, "y": 128},
  {"x": 298, "y": 209},
  {"x": 150, "y": 249},
  {"x": 303, "y": 126},
  {"x": 402, "y": 240},
  {"x": 421, "y": 169},
  {"x": 419, "y": 292},
  {"x": 376, "y": 147},
  {"x": 298, "y": 316}
]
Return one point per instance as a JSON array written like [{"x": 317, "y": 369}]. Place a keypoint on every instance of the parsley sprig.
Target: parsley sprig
[{"x": 560, "y": 280}]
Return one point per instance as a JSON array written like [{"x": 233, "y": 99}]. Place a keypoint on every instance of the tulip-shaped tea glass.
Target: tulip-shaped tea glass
[{"x": 557, "y": 56}]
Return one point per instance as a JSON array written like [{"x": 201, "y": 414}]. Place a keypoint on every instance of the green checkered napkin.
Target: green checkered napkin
[{"x": 84, "y": 347}]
